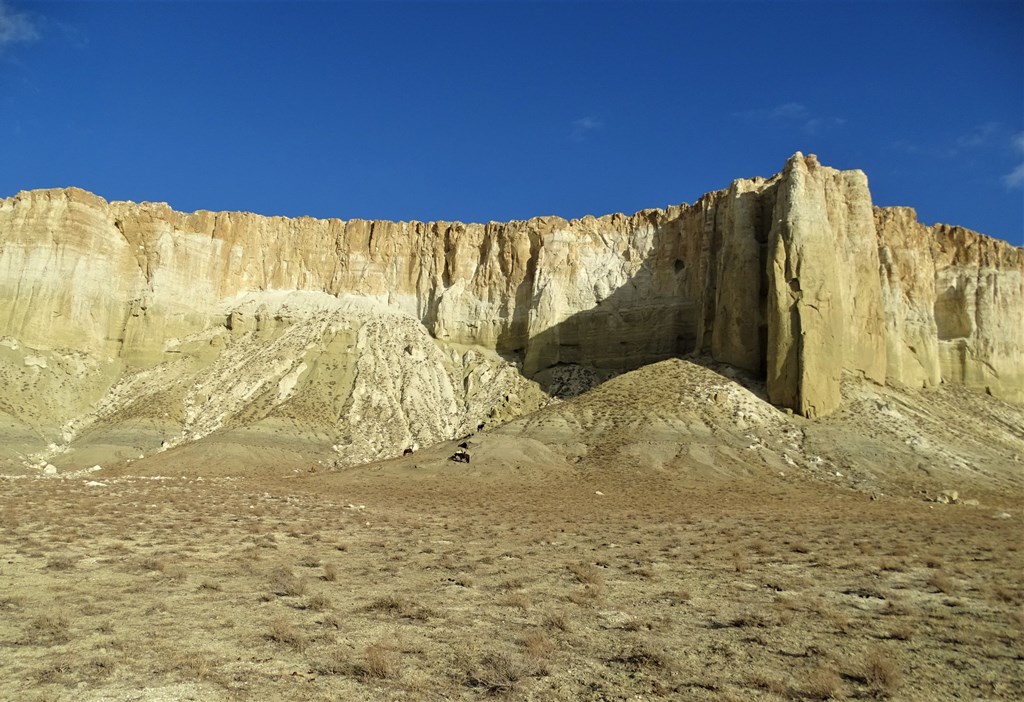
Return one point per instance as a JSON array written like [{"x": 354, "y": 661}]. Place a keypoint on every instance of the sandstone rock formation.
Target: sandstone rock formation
[{"x": 370, "y": 336}]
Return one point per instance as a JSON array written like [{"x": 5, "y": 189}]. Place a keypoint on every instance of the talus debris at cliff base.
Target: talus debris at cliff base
[{"x": 133, "y": 320}]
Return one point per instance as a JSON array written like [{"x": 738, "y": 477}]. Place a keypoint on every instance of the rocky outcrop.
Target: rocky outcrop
[
  {"x": 796, "y": 278},
  {"x": 954, "y": 304}
]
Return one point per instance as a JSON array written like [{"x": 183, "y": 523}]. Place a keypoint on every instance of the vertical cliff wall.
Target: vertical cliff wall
[{"x": 796, "y": 278}]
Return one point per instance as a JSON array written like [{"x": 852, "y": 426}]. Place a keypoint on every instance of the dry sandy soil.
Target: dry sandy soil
[
  {"x": 378, "y": 585},
  {"x": 588, "y": 552}
]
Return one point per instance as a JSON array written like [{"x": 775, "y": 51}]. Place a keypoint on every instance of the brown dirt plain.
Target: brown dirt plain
[{"x": 612, "y": 576}]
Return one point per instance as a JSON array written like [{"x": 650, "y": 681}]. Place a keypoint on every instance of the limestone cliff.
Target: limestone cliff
[{"x": 210, "y": 321}]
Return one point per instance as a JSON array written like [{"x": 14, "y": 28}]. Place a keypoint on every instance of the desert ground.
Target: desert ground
[
  {"x": 667, "y": 535},
  {"x": 381, "y": 584}
]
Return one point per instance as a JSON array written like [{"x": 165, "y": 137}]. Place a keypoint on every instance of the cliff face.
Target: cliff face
[
  {"x": 797, "y": 278},
  {"x": 954, "y": 303}
]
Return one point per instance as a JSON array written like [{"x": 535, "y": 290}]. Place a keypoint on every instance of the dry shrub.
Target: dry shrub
[
  {"x": 518, "y": 600},
  {"x": 499, "y": 673},
  {"x": 56, "y": 670},
  {"x": 941, "y": 582},
  {"x": 320, "y": 602},
  {"x": 587, "y": 596},
  {"x": 823, "y": 683},
  {"x": 1008, "y": 595},
  {"x": 284, "y": 583},
  {"x": 558, "y": 620},
  {"x": 60, "y": 563},
  {"x": 785, "y": 603},
  {"x": 645, "y": 656},
  {"x": 837, "y": 619},
  {"x": 330, "y": 572},
  {"x": 901, "y": 632},
  {"x": 173, "y": 571},
  {"x": 399, "y": 606},
  {"x": 587, "y": 574},
  {"x": 680, "y": 596},
  {"x": 768, "y": 684},
  {"x": 100, "y": 666},
  {"x": 379, "y": 662},
  {"x": 751, "y": 619},
  {"x": 50, "y": 629},
  {"x": 880, "y": 673},
  {"x": 537, "y": 645},
  {"x": 284, "y": 632},
  {"x": 193, "y": 664}
]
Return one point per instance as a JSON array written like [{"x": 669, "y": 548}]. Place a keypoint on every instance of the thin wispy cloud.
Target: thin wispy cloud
[
  {"x": 976, "y": 141},
  {"x": 793, "y": 113},
  {"x": 584, "y": 127},
  {"x": 981, "y": 136},
  {"x": 15, "y": 27},
  {"x": 987, "y": 143},
  {"x": 1015, "y": 178}
]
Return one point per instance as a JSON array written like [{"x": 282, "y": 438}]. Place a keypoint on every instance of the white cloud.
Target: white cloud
[
  {"x": 795, "y": 113},
  {"x": 15, "y": 27},
  {"x": 1015, "y": 178},
  {"x": 583, "y": 126},
  {"x": 790, "y": 110},
  {"x": 980, "y": 136}
]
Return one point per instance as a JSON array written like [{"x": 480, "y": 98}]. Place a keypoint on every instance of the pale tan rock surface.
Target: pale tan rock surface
[{"x": 369, "y": 336}]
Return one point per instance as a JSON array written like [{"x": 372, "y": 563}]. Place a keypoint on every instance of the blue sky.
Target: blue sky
[{"x": 495, "y": 111}]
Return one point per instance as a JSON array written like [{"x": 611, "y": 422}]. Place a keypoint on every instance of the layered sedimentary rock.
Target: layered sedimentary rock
[
  {"x": 796, "y": 278},
  {"x": 954, "y": 302}
]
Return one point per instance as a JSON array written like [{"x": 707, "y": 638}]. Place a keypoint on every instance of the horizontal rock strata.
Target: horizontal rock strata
[{"x": 797, "y": 278}]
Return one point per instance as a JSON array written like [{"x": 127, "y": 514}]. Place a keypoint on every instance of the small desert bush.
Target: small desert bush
[
  {"x": 1008, "y": 595},
  {"x": 768, "y": 684},
  {"x": 645, "y": 656},
  {"x": 283, "y": 631},
  {"x": 901, "y": 632},
  {"x": 537, "y": 645},
  {"x": 558, "y": 621},
  {"x": 587, "y": 574},
  {"x": 941, "y": 582},
  {"x": 320, "y": 602},
  {"x": 587, "y": 596},
  {"x": 330, "y": 572},
  {"x": 519, "y": 600},
  {"x": 50, "y": 629},
  {"x": 880, "y": 673},
  {"x": 60, "y": 563},
  {"x": 195, "y": 665},
  {"x": 499, "y": 673},
  {"x": 399, "y": 606},
  {"x": 286, "y": 584},
  {"x": 379, "y": 662},
  {"x": 337, "y": 662},
  {"x": 823, "y": 683},
  {"x": 56, "y": 670}
]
